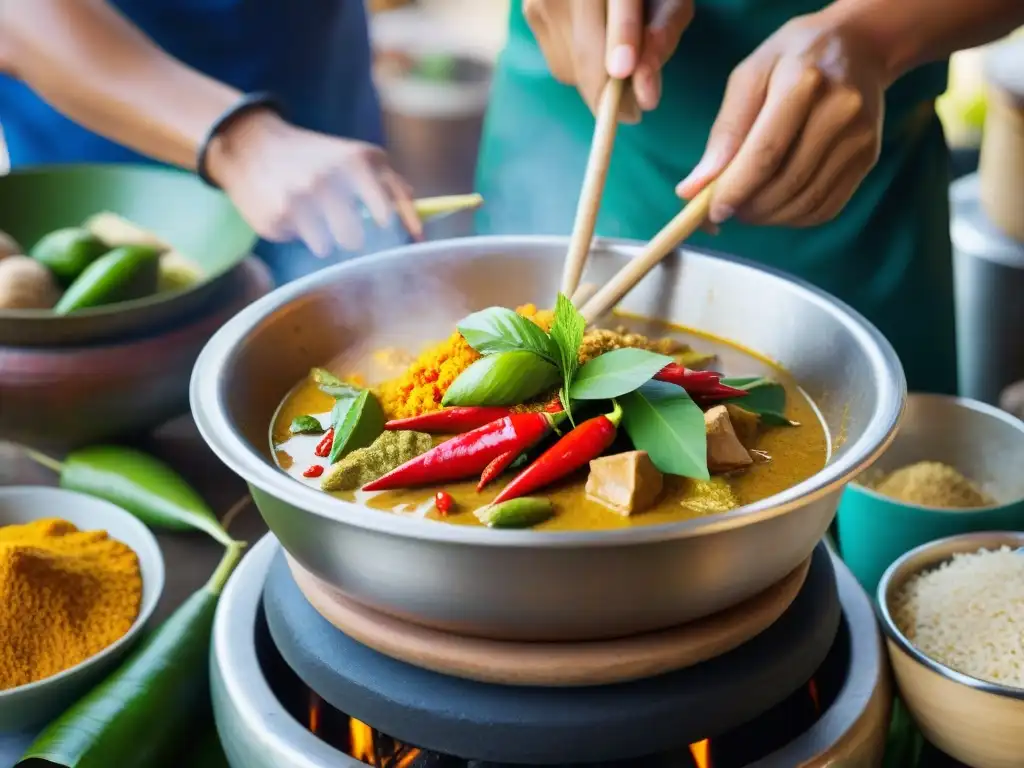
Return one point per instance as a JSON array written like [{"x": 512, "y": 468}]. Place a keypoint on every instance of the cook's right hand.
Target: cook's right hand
[
  {"x": 289, "y": 183},
  {"x": 586, "y": 41}
]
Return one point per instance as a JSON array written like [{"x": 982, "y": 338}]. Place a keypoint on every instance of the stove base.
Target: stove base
[{"x": 259, "y": 731}]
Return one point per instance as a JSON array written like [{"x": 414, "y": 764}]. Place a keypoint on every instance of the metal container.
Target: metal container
[
  {"x": 433, "y": 126},
  {"x": 974, "y": 721},
  {"x": 258, "y": 732},
  {"x": 541, "y": 585},
  {"x": 989, "y": 283}
]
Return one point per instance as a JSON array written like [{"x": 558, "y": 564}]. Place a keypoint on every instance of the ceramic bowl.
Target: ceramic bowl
[
  {"x": 58, "y": 398},
  {"x": 983, "y": 442},
  {"x": 977, "y": 722},
  {"x": 201, "y": 223},
  {"x": 31, "y": 705}
]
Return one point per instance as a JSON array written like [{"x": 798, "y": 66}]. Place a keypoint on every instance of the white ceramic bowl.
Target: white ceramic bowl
[{"x": 31, "y": 705}]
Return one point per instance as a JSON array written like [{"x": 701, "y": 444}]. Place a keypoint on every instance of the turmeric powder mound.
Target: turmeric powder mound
[
  {"x": 932, "y": 484},
  {"x": 65, "y": 595},
  {"x": 422, "y": 386}
]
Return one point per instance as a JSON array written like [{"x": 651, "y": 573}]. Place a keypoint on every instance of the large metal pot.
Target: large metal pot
[{"x": 533, "y": 584}]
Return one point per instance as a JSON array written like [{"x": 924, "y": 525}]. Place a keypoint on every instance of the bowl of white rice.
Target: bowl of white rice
[{"x": 953, "y": 615}]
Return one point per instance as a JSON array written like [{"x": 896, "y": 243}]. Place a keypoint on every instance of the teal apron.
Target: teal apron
[
  {"x": 314, "y": 55},
  {"x": 887, "y": 255}
]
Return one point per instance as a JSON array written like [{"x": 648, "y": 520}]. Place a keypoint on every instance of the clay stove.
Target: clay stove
[{"x": 292, "y": 691}]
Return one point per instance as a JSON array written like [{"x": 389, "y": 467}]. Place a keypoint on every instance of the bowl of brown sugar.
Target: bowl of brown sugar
[
  {"x": 79, "y": 580},
  {"x": 954, "y": 467}
]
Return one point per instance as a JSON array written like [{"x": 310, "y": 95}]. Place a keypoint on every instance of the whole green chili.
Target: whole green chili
[{"x": 138, "y": 483}]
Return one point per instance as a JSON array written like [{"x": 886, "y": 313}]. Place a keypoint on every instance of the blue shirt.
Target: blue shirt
[{"x": 314, "y": 55}]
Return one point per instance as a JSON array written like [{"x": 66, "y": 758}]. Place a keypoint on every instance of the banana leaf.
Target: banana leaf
[
  {"x": 905, "y": 742},
  {"x": 144, "y": 711}
]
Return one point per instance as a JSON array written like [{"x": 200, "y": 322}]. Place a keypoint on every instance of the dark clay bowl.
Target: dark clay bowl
[
  {"x": 197, "y": 221},
  {"x": 59, "y": 398}
]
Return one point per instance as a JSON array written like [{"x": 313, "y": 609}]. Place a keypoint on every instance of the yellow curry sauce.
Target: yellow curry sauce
[{"x": 796, "y": 453}]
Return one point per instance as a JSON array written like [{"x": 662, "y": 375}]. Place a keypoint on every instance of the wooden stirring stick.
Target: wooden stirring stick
[
  {"x": 593, "y": 184},
  {"x": 686, "y": 222}
]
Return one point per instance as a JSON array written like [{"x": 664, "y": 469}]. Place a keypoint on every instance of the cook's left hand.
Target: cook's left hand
[{"x": 799, "y": 128}]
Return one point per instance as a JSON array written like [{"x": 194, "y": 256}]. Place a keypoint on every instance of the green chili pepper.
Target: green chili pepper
[
  {"x": 68, "y": 252},
  {"x": 123, "y": 273},
  {"x": 306, "y": 425},
  {"x": 142, "y": 712},
  {"x": 138, "y": 483},
  {"x": 522, "y": 512}
]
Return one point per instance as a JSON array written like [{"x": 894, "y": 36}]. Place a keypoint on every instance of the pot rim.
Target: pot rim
[{"x": 210, "y": 413}]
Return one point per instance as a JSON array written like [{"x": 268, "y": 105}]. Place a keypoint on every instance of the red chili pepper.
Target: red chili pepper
[
  {"x": 443, "y": 502},
  {"x": 467, "y": 455},
  {"x": 323, "y": 448},
  {"x": 588, "y": 441},
  {"x": 314, "y": 470},
  {"x": 706, "y": 385},
  {"x": 555, "y": 406},
  {"x": 496, "y": 467},
  {"x": 450, "y": 421}
]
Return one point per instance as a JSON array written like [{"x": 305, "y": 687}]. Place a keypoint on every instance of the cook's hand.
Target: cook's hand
[
  {"x": 799, "y": 128},
  {"x": 585, "y": 41},
  {"x": 289, "y": 183}
]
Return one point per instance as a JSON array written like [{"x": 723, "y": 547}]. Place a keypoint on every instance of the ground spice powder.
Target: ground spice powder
[
  {"x": 932, "y": 484},
  {"x": 65, "y": 595},
  {"x": 421, "y": 387}
]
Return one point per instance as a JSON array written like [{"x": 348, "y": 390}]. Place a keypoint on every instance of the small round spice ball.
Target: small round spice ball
[
  {"x": 8, "y": 246},
  {"x": 26, "y": 284}
]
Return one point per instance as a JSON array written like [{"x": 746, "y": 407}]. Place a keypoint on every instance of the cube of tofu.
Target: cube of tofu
[
  {"x": 725, "y": 451},
  {"x": 745, "y": 424},
  {"x": 627, "y": 483}
]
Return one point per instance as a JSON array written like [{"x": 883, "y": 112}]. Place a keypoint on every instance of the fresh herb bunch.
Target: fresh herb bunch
[{"x": 520, "y": 361}]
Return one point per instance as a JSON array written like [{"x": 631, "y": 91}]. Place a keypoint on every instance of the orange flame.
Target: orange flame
[
  {"x": 701, "y": 751},
  {"x": 361, "y": 740},
  {"x": 812, "y": 690},
  {"x": 315, "y": 703},
  {"x": 361, "y": 746}
]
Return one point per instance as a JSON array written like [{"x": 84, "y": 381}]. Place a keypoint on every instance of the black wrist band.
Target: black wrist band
[{"x": 249, "y": 102}]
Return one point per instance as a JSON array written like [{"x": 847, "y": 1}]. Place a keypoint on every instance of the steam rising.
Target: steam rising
[{"x": 407, "y": 312}]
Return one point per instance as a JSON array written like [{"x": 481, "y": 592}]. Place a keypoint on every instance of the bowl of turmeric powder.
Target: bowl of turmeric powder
[
  {"x": 954, "y": 467},
  {"x": 79, "y": 580}
]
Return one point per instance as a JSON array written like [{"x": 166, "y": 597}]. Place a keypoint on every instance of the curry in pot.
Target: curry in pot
[{"x": 526, "y": 418}]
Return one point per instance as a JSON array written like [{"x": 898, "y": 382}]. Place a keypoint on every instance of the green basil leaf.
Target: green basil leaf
[
  {"x": 615, "y": 373},
  {"x": 764, "y": 397},
  {"x": 331, "y": 385},
  {"x": 506, "y": 378},
  {"x": 567, "y": 334},
  {"x": 661, "y": 419},
  {"x": 498, "y": 329},
  {"x": 306, "y": 425},
  {"x": 357, "y": 422}
]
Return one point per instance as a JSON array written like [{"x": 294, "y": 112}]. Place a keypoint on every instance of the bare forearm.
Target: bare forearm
[
  {"x": 909, "y": 33},
  {"x": 92, "y": 65}
]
